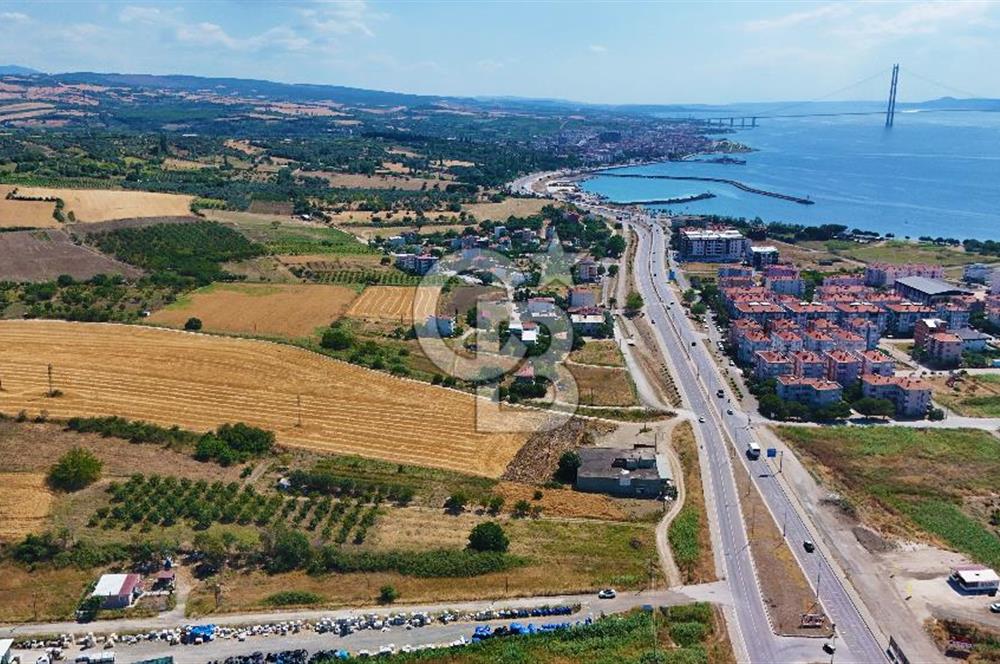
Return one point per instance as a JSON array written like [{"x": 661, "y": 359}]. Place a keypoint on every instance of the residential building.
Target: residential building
[
  {"x": 543, "y": 307},
  {"x": 768, "y": 364},
  {"x": 844, "y": 280},
  {"x": 866, "y": 329},
  {"x": 6, "y": 646},
  {"x": 925, "y": 327},
  {"x": 925, "y": 290},
  {"x": 636, "y": 473},
  {"x": 884, "y": 275},
  {"x": 972, "y": 340},
  {"x": 843, "y": 367},
  {"x": 804, "y": 312},
  {"x": 818, "y": 341},
  {"x": 817, "y": 392},
  {"x": 956, "y": 312},
  {"x": 735, "y": 271},
  {"x": 878, "y": 363},
  {"x": 588, "y": 322},
  {"x": 992, "y": 309},
  {"x": 761, "y": 257},
  {"x": 581, "y": 297},
  {"x": 866, "y": 310},
  {"x": 760, "y": 311},
  {"x": 903, "y": 316},
  {"x": 944, "y": 349},
  {"x": 118, "y": 591},
  {"x": 785, "y": 285},
  {"x": 978, "y": 273},
  {"x": 785, "y": 341},
  {"x": 445, "y": 325},
  {"x": 808, "y": 364},
  {"x": 781, "y": 270},
  {"x": 911, "y": 396},
  {"x": 725, "y": 245},
  {"x": 587, "y": 271}
]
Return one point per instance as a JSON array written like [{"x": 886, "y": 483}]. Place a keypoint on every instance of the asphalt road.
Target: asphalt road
[
  {"x": 700, "y": 378},
  {"x": 436, "y": 633}
]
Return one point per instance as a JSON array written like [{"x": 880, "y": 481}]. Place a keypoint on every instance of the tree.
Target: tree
[
  {"x": 870, "y": 407},
  {"x": 75, "y": 470},
  {"x": 569, "y": 463},
  {"x": 689, "y": 296},
  {"x": 488, "y": 536},
  {"x": 387, "y": 595},
  {"x": 772, "y": 407},
  {"x": 193, "y": 324},
  {"x": 288, "y": 550},
  {"x": 698, "y": 308},
  {"x": 521, "y": 509},
  {"x": 633, "y": 302}
]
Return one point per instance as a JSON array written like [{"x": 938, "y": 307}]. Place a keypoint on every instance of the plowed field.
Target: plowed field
[
  {"x": 200, "y": 381},
  {"x": 395, "y": 303}
]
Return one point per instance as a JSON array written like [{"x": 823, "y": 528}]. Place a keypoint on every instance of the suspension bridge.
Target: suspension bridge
[{"x": 749, "y": 120}]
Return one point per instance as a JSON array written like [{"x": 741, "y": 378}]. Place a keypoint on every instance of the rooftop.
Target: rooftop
[{"x": 930, "y": 286}]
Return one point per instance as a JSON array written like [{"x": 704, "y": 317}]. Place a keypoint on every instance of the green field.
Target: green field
[
  {"x": 938, "y": 480},
  {"x": 974, "y": 396},
  {"x": 290, "y": 237},
  {"x": 900, "y": 251},
  {"x": 684, "y": 635}
]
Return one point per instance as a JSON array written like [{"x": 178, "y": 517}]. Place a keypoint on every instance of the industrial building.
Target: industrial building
[{"x": 635, "y": 473}]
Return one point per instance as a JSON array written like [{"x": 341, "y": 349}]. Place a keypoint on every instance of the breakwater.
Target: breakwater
[
  {"x": 696, "y": 178},
  {"x": 671, "y": 201}
]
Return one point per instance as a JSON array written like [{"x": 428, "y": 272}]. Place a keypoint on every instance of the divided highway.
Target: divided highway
[{"x": 699, "y": 379}]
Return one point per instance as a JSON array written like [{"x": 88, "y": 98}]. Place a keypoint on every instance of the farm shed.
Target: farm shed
[
  {"x": 118, "y": 591},
  {"x": 975, "y": 579},
  {"x": 635, "y": 473}
]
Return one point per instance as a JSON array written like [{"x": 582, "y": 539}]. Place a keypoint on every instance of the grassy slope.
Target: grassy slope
[{"x": 930, "y": 477}]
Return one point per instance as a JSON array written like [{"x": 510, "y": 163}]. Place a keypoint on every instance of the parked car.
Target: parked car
[
  {"x": 607, "y": 593},
  {"x": 995, "y": 607},
  {"x": 701, "y": 419}
]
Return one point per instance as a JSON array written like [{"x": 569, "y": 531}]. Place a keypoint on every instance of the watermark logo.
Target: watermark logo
[{"x": 509, "y": 347}]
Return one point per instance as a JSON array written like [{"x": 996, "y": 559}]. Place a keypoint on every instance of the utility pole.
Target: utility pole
[{"x": 890, "y": 111}]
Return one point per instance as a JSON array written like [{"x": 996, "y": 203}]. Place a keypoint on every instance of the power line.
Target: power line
[{"x": 945, "y": 86}]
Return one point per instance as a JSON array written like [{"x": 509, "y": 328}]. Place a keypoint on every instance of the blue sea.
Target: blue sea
[{"x": 935, "y": 174}]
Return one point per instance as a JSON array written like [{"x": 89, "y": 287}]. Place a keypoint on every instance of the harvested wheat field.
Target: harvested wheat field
[
  {"x": 395, "y": 303},
  {"x": 287, "y": 310},
  {"x": 518, "y": 207},
  {"x": 24, "y": 504},
  {"x": 106, "y": 204},
  {"x": 200, "y": 381},
  {"x": 562, "y": 502},
  {"x": 25, "y": 214}
]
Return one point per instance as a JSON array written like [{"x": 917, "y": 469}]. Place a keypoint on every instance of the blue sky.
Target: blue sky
[{"x": 618, "y": 52}]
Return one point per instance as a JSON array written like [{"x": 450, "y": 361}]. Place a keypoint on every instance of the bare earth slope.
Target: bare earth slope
[{"x": 200, "y": 381}]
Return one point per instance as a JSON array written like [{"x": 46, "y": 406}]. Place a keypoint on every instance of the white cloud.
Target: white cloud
[
  {"x": 490, "y": 65},
  {"x": 14, "y": 17},
  {"x": 922, "y": 18},
  {"x": 147, "y": 15},
  {"x": 797, "y": 18},
  {"x": 597, "y": 48},
  {"x": 341, "y": 17}
]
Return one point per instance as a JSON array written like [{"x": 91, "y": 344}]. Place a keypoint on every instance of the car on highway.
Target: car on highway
[
  {"x": 729, "y": 411},
  {"x": 995, "y": 607},
  {"x": 808, "y": 546},
  {"x": 607, "y": 593},
  {"x": 701, "y": 419},
  {"x": 830, "y": 647}
]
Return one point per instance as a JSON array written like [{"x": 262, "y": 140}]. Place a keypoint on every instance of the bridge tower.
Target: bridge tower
[{"x": 890, "y": 111}]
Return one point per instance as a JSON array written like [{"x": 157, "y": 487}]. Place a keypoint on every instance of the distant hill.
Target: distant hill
[
  {"x": 17, "y": 70},
  {"x": 270, "y": 90}
]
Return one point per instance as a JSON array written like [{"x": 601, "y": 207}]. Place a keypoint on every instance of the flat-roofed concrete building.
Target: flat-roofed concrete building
[
  {"x": 635, "y": 473},
  {"x": 724, "y": 245},
  {"x": 925, "y": 290}
]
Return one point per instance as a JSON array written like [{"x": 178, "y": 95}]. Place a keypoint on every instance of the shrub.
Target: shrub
[
  {"x": 522, "y": 508},
  {"x": 337, "y": 338},
  {"x": 387, "y": 595},
  {"x": 288, "y": 550},
  {"x": 293, "y": 598},
  {"x": 495, "y": 504},
  {"x": 193, "y": 324},
  {"x": 456, "y": 502},
  {"x": 569, "y": 464},
  {"x": 488, "y": 536},
  {"x": 75, "y": 470}
]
